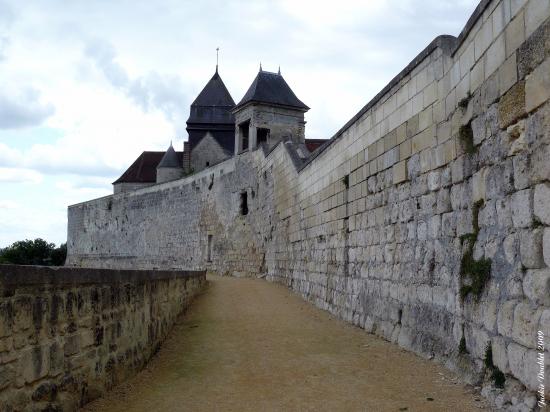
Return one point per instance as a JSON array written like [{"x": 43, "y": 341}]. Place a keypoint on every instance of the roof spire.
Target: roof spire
[
  {"x": 217, "y": 50},
  {"x": 261, "y": 66},
  {"x": 279, "y": 71}
]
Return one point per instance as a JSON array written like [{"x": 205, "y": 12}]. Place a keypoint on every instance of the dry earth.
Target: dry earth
[{"x": 252, "y": 345}]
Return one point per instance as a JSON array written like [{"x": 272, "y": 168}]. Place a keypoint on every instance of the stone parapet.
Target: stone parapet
[{"x": 68, "y": 334}]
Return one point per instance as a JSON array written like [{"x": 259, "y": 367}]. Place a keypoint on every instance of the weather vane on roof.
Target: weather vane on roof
[{"x": 217, "y": 50}]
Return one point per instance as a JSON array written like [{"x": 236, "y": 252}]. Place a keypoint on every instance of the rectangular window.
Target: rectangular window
[
  {"x": 244, "y": 204},
  {"x": 209, "y": 250},
  {"x": 262, "y": 135},
  {"x": 243, "y": 132}
]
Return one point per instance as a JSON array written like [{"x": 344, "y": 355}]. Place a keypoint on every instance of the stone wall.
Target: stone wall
[
  {"x": 207, "y": 152},
  {"x": 67, "y": 334},
  {"x": 424, "y": 221}
]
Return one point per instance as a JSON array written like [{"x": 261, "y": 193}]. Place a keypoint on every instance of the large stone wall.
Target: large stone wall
[
  {"x": 424, "y": 221},
  {"x": 69, "y": 334}
]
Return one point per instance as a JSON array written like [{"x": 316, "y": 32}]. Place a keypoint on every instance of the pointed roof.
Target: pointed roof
[
  {"x": 271, "y": 88},
  {"x": 214, "y": 94},
  {"x": 170, "y": 158},
  {"x": 213, "y": 105}
]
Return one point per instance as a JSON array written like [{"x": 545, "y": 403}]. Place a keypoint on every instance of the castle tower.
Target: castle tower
[
  {"x": 268, "y": 113},
  {"x": 170, "y": 167},
  {"x": 211, "y": 115}
]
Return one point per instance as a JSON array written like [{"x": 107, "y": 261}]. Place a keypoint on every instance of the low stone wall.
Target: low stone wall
[{"x": 67, "y": 334}]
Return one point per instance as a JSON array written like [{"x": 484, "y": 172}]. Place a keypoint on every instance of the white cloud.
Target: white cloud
[
  {"x": 23, "y": 109},
  {"x": 19, "y": 175}
]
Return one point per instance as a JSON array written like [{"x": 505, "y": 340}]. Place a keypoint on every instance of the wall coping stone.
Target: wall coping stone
[{"x": 27, "y": 275}]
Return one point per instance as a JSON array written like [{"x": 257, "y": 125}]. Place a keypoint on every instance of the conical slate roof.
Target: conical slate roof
[
  {"x": 214, "y": 94},
  {"x": 271, "y": 88},
  {"x": 170, "y": 159},
  {"x": 213, "y": 104}
]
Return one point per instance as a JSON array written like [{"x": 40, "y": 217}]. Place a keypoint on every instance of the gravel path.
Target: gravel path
[{"x": 250, "y": 345}]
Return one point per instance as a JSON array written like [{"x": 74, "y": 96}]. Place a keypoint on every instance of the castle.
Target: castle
[
  {"x": 218, "y": 129},
  {"x": 424, "y": 219}
]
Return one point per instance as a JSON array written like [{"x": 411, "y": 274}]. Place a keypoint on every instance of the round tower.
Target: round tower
[{"x": 170, "y": 166}]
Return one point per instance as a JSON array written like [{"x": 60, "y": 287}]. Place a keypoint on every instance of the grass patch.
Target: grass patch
[
  {"x": 497, "y": 376},
  {"x": 474, "y": 273}
]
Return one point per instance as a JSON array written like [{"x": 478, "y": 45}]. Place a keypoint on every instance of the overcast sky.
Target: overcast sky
[{"x": 86, "y": 86}]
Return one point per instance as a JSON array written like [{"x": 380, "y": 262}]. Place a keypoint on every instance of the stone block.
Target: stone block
[
  {"x": 483, "y": 39},
  {"x": 405, "y": 149},
  {"x": 546, "y": 246},
  {"x": 495, "y": 56},
  {"x": 400, "y": 172},
  {"x": 537, "y": 87},
  {"x": 516, "y": 135},
  {"x": 522, "y": 208},
  {"x": 541, "y": 203},
  {"x": 536, "y": 286},
  {"x": 508, "y": 74},
  {"x": 33, "y": 364},
  {"x": 7, "y": 376},
  {"x": 526, "y": 320},
  {"x": 478, "y": 185},
  {"x": 534, "y": 50},
  {"x": 512, "y": 105},
  {"x": 531, "y": 248},
  {"x": 500, "y": 354},
  {"x": 535, "y": 13},
  {"x": 505, "y": 317},
  {"x": 423, "y": 140},
  {"x": 412, "y": 126},
  {"x": 515, "y": 34},
  {"x": 523, "y": 364},
  {"x": 539, "y": 169}
]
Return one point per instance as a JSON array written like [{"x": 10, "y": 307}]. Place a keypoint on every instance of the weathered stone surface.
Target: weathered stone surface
[
  {"x": 546, "y": 246},
  {"x": 135, "y": 308},
  {"x": 541, "y": 203},
  {"x": 522, "y": 208},
  {"x": 524, "y": 329},
  {"x": 523, "y": 364},
  {"x": 536, "y": 286},
  {"x": 531, "y": 248},
  {"x": 534, "y": 50},
  {"x": 537, "y": 87},
  {"x": 512, "y": 105}
]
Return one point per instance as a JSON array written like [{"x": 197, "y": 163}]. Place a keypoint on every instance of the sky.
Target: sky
[{"x": 86, "y": 86}]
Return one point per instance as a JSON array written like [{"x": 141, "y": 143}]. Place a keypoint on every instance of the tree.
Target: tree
[{"x": 34, "y": 252}]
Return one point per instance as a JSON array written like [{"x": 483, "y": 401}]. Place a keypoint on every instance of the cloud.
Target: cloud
[
  {"x": 150, "y": 92},
  {"x": 4, "y": 43},
  {"x": 23, "y": 109},
  {"x": 8, "y": 204},
  {"x": 19, "y": 175}
]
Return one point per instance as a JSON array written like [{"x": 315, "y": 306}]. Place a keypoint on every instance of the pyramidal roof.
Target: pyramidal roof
[
  {"x": 271, "y": 88},
  {"x": 170, "y": 158},
  {"x": 214, "y": 94}
]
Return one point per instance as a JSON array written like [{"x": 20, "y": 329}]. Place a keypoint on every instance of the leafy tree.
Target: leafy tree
[{"x": 34, "y": 252}]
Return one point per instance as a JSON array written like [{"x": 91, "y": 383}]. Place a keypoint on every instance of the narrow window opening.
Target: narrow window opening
[
  {"x": 209, "y": 251},
  {"x": 244, "y": 203},
  {"x": 243, "y": 131},
  {"x": 262, "y": 134},
  {"x": 207, "y": 164}
]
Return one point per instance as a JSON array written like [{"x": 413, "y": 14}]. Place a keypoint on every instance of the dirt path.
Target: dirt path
[{"x": 251, "y": 345}]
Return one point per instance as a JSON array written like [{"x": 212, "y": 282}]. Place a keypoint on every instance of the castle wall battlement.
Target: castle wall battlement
[{"x": 425, "y": 220}]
